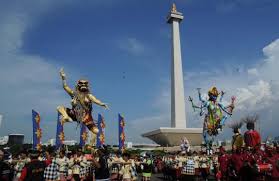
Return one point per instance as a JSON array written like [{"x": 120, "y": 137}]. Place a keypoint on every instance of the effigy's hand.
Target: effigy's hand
[
  {"x": 106, "y": 106},
  {"x": 233, "y": 98},
  {"x": 62, "y": 74}
]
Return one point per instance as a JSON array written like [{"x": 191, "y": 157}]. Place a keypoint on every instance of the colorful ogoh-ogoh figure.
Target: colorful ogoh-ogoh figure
[
  {"x": 82, "y": 101},
  {"x": 216, "y": 114}
]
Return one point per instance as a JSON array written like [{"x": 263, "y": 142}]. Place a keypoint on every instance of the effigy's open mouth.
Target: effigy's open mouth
[{"x": 83, "y": 89}]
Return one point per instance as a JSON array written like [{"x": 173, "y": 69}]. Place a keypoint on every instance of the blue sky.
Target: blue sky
[{"x": 123, "y": 48}]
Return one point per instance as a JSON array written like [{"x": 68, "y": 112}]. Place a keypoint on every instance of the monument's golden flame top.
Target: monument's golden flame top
[{"x": 173, "y": 9}]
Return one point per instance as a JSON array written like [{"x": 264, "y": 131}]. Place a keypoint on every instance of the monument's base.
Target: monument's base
[{"x": 172, "y": 136}]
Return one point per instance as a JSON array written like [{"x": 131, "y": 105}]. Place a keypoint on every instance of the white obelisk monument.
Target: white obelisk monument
[
  {"x": 171, "y": 136},
  {"x": 178, "y": 113}
]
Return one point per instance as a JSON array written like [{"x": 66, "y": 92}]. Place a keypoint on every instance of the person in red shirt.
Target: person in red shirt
[
  {"x": 236, "y": 162},
  {"x": 252, "y": 137},
  {"x": 34, "y": 170},
  {"x": 219, "y": 175},
  {"x": 223, "y": 160},
  {"x": 273, "y": 159}
]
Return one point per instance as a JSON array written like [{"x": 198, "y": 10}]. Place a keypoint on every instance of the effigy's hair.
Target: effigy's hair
[
  {"x": 250, "y": 119},
  {"x": 235, "y": 124}
]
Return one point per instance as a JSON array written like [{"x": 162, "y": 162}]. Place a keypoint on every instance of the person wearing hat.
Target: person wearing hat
[
  {"x": 34, "y": 170},
  {"x": 237, "y": 138},
  {"x": 252, "y": 137},
  {"x": 5, "y": 170}
]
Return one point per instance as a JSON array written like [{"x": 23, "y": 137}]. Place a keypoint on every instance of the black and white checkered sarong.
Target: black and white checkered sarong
[{"x": 51, "y": 171}]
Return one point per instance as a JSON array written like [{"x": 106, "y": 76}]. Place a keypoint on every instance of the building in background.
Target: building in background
[
  {"x": 70, "y": 142},
  {"x": 15, "y": 139},
  {"x": 50, "y": 142},
  {"x": 145, "y": 146}
]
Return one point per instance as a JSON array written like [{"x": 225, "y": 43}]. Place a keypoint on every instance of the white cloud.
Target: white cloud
[
  {"x": 28, "y": 81},
  {"x": 132, "y": 46},
  {"x": 137, "y": 127},
  {"x": 253, "y": 71},
  {"x": 255, "y": 96},
  {"x": 272, "y": 51}
]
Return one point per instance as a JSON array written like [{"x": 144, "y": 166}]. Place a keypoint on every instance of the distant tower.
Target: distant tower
[
  {"x": 171, "y": 136},
  {"x": 1, "y": 117},
  {"x": 178, "y": 114}
]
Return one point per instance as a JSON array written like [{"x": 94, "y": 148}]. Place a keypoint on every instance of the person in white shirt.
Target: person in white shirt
[
  {"x": 126, "y": 169},
  {"x": 63, "y": 163},
  {"x": 23, "y": 159}
]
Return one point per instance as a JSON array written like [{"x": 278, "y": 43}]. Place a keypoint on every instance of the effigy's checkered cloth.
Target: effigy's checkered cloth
[
  {"x": 82, "y": 171},
  {"x": 189, "y": 168},
  {"x": 51, "y": 171}
]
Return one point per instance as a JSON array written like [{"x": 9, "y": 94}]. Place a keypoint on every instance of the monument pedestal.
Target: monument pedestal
[{"x": 172, "y": 136}]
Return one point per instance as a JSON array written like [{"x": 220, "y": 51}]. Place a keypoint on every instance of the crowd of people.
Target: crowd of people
[
  {"x": 242, "y": 164},
  {"x": 248, "y": 159},
  {"x": 75, "y": 166}
]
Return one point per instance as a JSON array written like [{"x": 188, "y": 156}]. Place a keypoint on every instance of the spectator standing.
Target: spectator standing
[
  {"x": 126, "y": 169},
  {"x": 5, "y": 170},
  {"x": 23, "y": 160},
  {"x": 102, "y": 169},
  {"x": 34, "y": 170},
  {"x": 51, "y": 172},
  {"x": 223, "y": 160},
  {"x": 252, "y": 137},
  {"x": 147, "y": 168},
  {"x": 63, "y": 163}
]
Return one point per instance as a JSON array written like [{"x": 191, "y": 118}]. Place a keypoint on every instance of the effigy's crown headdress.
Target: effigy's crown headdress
[{"x": 213, "y": 91}]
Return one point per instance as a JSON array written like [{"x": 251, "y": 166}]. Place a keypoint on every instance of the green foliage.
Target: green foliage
[
  {"x": 133, "y": 152},
  {"x": 158, "y": 152}
]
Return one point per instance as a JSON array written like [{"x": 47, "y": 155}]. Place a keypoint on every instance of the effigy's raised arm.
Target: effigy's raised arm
[
  {"x": 65, "y": 86},
  {"x": 200, "y": 97},
  {"x": 221, "y": 96},
  {"x": 228, "y": 109},
  {"x": 192, "y": 103}
]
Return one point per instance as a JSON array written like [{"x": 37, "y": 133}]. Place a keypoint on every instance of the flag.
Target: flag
[
  {"x": 83, "y": 135},
  {"x": 60, "y": 137},
  {"x": 101, "y": 133},
  {"x": 121, "y": 135},
  {"x": 37, "y": 132}
]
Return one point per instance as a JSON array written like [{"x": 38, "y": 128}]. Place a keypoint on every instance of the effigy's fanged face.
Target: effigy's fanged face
[
  {"x": 83, "y": 86},
  {"x": 213, "y": 94}
]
